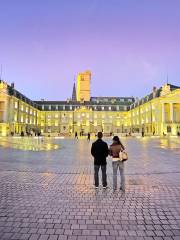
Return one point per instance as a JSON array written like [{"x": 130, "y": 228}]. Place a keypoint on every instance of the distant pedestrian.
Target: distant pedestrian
[
  {"x": 76, "y": 135},
  {"x": 22, "y": 134},
  {"x": 142, "y": 132},
  {"x": 99, "y": 151},
  {"x": 89, "y": 136},
  {"x": 117, "y": 162}
]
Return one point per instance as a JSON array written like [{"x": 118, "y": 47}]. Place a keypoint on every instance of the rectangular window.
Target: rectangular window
[
  {"x": 15, "y": 118},
  {"x": 16, "y": 105}
]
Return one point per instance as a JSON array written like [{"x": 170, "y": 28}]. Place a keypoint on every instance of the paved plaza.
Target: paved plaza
[{"x": 47, "y": 192}]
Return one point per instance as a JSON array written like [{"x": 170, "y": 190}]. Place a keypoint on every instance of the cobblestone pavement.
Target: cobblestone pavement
[{"x": 50, "y": 194}]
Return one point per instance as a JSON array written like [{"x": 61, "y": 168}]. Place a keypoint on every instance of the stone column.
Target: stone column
[
  {"x": 163, "y": 113},
  {"x": 171, "y": 113},
  {"x": 6, "y": 111}
]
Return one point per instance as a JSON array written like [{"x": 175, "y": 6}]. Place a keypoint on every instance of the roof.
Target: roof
[
  {"x": 152, "y": 95},
  {"x": 96, "y": 103},
  {"x": 173, "y": 87},
  {"x": 71, "y": 105}
]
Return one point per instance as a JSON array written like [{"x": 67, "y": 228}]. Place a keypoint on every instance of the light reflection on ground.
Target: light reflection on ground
[
  {"x": 47, "y": 191},
  {"x": 146, "y": 155},
  {"x": 172, "y": 143},
  {"x": 28, "y": 144}
]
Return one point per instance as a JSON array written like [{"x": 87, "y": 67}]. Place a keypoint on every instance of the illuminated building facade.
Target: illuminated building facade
[{"x": 156, "y": 114}]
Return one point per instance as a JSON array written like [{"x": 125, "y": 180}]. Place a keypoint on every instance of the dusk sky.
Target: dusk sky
[{"x": 128, "y": 45}]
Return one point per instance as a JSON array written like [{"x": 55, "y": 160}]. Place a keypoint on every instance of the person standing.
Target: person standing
[
  {"x": 76, "y": 135},
  {"x": 117, "y": 163},
  {"x": 89, "y": 136},
  {"x": 99, "y": 151}
]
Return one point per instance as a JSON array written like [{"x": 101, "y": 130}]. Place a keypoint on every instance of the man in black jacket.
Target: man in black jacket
[{"x": 99, "y": 151}]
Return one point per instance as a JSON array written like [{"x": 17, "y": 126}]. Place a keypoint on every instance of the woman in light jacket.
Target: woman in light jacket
[{"x": 114, "y": 151}]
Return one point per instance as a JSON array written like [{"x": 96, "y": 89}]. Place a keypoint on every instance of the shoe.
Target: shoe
[
  {"x": 96, "y": 187},
  {"x": 122, "y": 189},
  {"x": 104, "y": 187}
]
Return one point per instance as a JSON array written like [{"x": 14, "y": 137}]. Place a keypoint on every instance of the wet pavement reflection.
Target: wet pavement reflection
[
  {"x": 28, "y": 143},
  {"x": 146, "y": 155},
  {"x": 47, "y": 191}
]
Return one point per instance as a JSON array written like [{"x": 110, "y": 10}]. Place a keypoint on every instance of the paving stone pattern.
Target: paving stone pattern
[{"x": 50, "y": 195}]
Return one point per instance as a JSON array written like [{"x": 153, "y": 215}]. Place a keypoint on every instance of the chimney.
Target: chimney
[
  {"x": 154, "y": 91},
  {"x": 12, "y": 84},
  {"x": 136, "y": 99}
]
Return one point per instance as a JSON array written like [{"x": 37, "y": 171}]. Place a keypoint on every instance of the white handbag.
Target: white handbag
[{"x": 123, "y": 156}]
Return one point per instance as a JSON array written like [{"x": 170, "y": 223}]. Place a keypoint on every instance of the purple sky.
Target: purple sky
[{"x": 129, "y": 45}]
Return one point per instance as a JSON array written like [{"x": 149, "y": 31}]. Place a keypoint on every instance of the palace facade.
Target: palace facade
[{"x": 158, "y": 113}]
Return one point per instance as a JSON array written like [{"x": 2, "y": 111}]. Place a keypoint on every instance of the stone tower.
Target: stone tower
[{"x": 83, "y": 86}]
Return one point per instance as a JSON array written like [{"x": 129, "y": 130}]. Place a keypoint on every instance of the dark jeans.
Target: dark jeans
[{"x": 96, "y": 175}]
